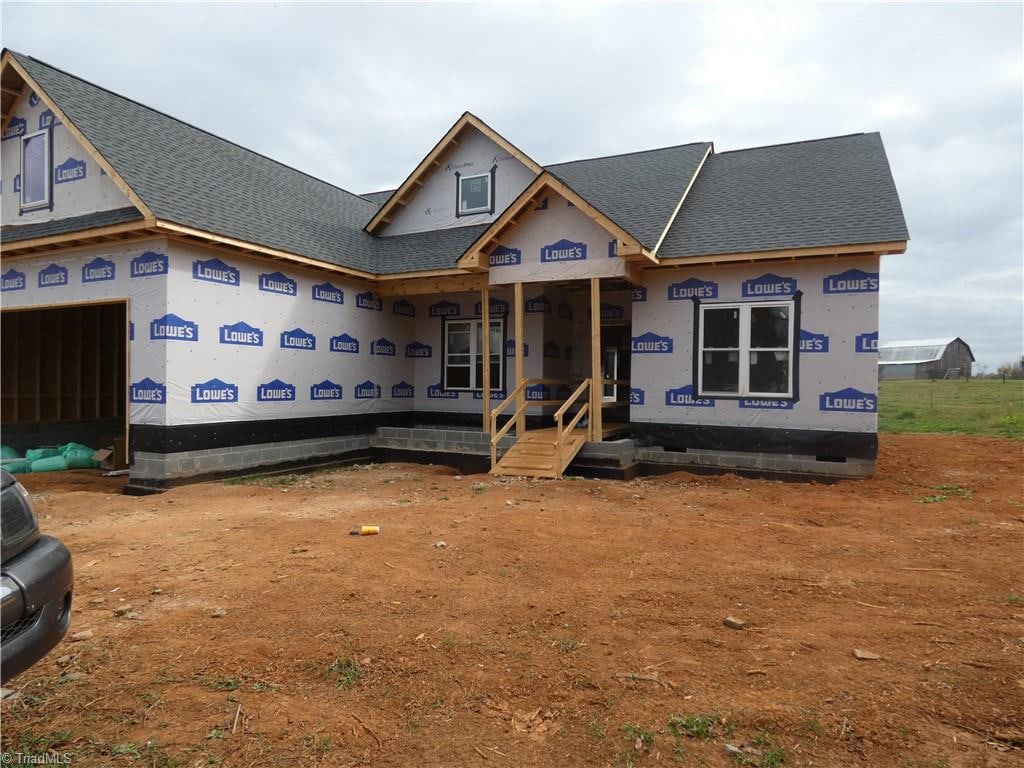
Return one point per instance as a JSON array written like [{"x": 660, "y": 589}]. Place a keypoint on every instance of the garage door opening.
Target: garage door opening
[{"x": 63, "y": 376}]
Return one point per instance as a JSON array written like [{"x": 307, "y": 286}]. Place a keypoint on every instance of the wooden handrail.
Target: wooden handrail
[
  {"x": 504, "y": 403},
  {"x": 572, "y": 399},
  {"x": 496, "y": 436},
  {"x": 561, "y": 433}
]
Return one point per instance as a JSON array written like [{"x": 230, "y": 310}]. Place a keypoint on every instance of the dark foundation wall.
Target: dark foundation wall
[{"x": 63, "y": 375}]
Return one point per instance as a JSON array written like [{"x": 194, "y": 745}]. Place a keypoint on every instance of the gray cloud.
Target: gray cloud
[{"x": 357, "y": 94}]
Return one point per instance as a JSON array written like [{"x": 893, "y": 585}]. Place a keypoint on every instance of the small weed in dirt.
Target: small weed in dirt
[
  {"x": 222, "y": 684},
  {"x": 346, "y": 670},
  {"x": 954, "y": 490},
  {"x": 44, "y": 742},
  {"x": 693, "y": 726},
  {"x": 642, "y": 739},
  {"x": 1014, "y": 599},
  {"x": 811, "y": 726},
  {"x": 317, "y": 745},
  {"x": 934, "y": 498},
  {"x": 262, "y": 685},
  {"x": 217, "y": 733},
  {"x": 569, "y": 644},
  {"x": 772, "y": 755},
  {"x": 125, "y": 749}
]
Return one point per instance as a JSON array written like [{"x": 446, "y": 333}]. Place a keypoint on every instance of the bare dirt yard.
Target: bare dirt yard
[{"x": 561, "y": 623}]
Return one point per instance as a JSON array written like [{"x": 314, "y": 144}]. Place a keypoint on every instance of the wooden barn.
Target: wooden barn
[{"x": 948, "y": 358}]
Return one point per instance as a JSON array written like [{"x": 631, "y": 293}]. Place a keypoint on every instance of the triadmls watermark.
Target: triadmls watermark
[{"x": 35, "y": 758}]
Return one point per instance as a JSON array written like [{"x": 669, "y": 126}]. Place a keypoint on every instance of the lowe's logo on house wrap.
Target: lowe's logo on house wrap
[
  {"x": 368, "y": 301},
  {"x": 851, "y": 281},
  {"x": 148, "y": 391},
  {"x": 173, "y": 328},
  {"x": 367, "y": 391},
  {"x": 611, "y": 312},
  {"x": 297, "y": 338},
  {"x": 69, "y": 170},
  {"x": 344, "y": 343},
  {"x": 563, "y": 250},
  {"x": 404, "y": 308},
  {"x": 769, "y": 285},
  {"x": 848, "y": 400},
  {"x": 444, "y": 309},
  {"x": 214, "y": 391},
  {"x": 275, "y": 391},
  {"x": 693, "y": 288},
  {"x": 866, "y": 342},
  {"x": 325, "y": 390},
  {"x": 438, "y": 392},
  {"x": 538, "y": 304},
  {"x": 813, "y": 342},
  {"x": 403, "y": 391},
  {"x": 538, "y": 392},
  {"x": 275, "y": 282},
  {"x": 15, "y": 128},
  {"x": 498, "y": 307},
  {"x": 149, "y": 263},
  {"x": 53, "y": 275},
  {"x": 763, "y": 404},
  {"x": 215, "y": 271},
  {"x": 98, "y": 270},
  {"x": 47, "y": 119},
  {"x": 510, "y": 348},
  {"x": 613, "y": 249},
  {"x": 496, "y": 394},
  {"x": 684, "y": 396},
  {"x": 241, "y": 333},
  {"x": 505, "y": 257},
  {"x": 651, "y": 343},
  {"x": 418, "y": 349},
  {"x": 13, "y": 280},
  {"x": 383, "y": 347},
  {"x": 329, "y": 293},
  {"x": 33, "y": 99},
  {"x": 636, "y": 396},
  {"x": 639, "y": 293},
  {"x": 551, "y": 349}
]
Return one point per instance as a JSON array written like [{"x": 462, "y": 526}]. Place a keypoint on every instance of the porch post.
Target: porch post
[
  {"x": 596, "y": 389},
  {"x": 485, "y": 317},
  {"x": 520, "y": 340}
]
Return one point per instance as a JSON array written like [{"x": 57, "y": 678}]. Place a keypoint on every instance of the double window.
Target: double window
[
  {"x": 475, "y": 194},
  {"x": 464, "y": 354},
  {"x": 35, "y": 171},
  {"x": 746, "y": 349}
]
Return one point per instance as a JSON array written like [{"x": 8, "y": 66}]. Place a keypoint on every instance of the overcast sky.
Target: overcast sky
[{"x": 357, "y": 94}]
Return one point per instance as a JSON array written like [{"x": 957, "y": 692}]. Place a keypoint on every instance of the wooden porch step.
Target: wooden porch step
[{"x": 534, "y": 454}]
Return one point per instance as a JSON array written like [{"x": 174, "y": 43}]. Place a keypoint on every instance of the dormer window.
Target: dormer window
[
  {"x": 474, "y": 194},
  {"x": 35, "y": 171}
]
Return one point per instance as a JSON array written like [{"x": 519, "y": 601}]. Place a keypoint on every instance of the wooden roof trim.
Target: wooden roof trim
[
  {"x": 675, "y": 213},
  {"x": 259, "y": 250},
  {"x": 510, "y": 218},
  {"x": 879, "y": 249},
  {"x": 20, "y": 249},
  {"x": 10, "y": 61},
  {"x": 432, "y": 160}
]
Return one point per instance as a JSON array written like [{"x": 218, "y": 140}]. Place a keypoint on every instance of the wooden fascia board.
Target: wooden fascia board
[
  {"x": 121, "y": 184},
  {"x": 675, "y": 213},
  {"x": 190, "y": 232},
  {"x": 432, "y": 161},
  {"x": 875, "y": 249},
  {"x": 413, "y": 286},
  {"x": 20, "y": 248}
]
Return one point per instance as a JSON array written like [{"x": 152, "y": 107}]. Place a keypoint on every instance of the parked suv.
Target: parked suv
[{"x": 35, "y": 583}]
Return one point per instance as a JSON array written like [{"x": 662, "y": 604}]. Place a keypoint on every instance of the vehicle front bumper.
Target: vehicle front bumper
[{"x": 36, "y": 608}]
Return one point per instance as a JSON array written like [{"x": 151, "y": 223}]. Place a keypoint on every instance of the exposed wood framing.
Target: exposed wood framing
[
  {"x": 485, "y": 317},
  {"x": 689, "y": 186},
  {"x": 879, "y": 249},
  {"x": 596, "y": 389},
  {"x": 87, "y": 238},
  {"x": 441, "y": 284},
  {"x": 9, "y": 61},
  {"x": 432, "y": 161}
]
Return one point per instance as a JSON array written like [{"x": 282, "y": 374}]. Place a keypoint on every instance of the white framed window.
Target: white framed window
[
  {"x": 746, "y": 349},
  {"x": 35, "y": 170},
  {"x": 464, "y": 354},
  {"x": 475, "y": 194}
]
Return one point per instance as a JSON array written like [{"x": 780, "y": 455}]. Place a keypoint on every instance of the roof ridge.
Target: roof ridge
[
  {"x": 626, "y": 154},
  {"x": 793, "y": 143},
  {"x": 186, "y": 123}
]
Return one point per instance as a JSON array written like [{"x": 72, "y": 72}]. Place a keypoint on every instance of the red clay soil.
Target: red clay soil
[{"x": 563, "y": 623}]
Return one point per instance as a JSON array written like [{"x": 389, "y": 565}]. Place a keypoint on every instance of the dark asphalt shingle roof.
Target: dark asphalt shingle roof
[
  {"x": 834, "y": 191},
  {"x": 378, "y": 198},
  {"x": 638, "y": 191},
  {"x": 437, "y": 249},
  {"x": 16, "y": 232}
]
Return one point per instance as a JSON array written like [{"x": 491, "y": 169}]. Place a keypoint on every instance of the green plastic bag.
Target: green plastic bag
[
  {"x": 50, "y": 464},
  {"x": 6, "y": 452},
  {"x": 76, "y": 447},
  {"x": 41, "y": 453},
  {"x": 19, "y": 467},
  {"x": 80, "y": 460}
]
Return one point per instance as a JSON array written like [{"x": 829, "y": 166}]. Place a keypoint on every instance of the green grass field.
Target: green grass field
[{"x": 978, "y": 407}]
